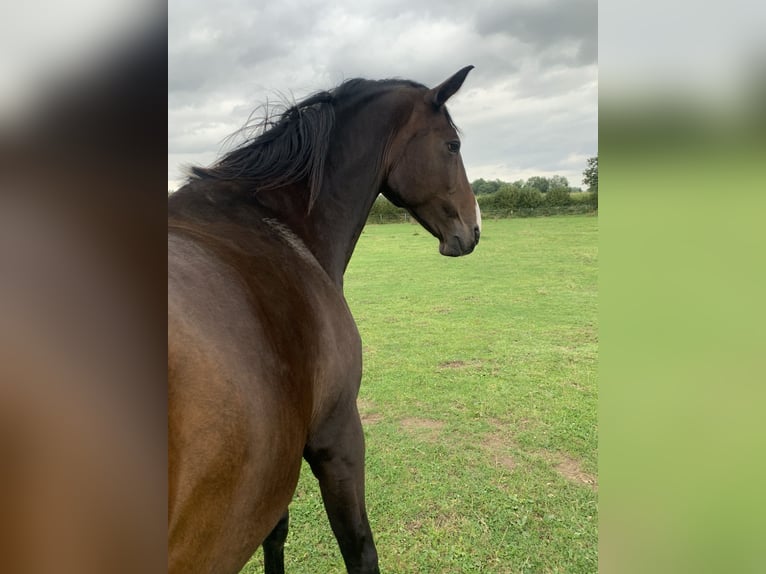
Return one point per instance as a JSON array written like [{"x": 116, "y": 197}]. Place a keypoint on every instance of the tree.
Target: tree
[
  {"x": 493, "y": 186},
  {"x": 539, "y": 183},
  {"x": 558, "y": 182},
  {"x": 479, "y": 186},
  {"x": 590, "y": 178},
  {"x": 484, "y": 187},
  {"x": 590, "y": 175}
]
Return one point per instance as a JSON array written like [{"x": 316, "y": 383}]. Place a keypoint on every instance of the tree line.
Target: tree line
[
  {"x": 539, "y": 183},
  {"x": 535, "y": 196},
  {"x": 556, "y": 183}
]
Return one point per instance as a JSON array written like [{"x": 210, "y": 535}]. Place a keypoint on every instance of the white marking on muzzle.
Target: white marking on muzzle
[{"x": 478, "y": 215}]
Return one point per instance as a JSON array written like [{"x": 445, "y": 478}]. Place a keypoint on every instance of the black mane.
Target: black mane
[{"x": 293, "y": 147}]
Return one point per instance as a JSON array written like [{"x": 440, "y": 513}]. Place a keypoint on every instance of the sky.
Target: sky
[{"x": 528, "y": 108}]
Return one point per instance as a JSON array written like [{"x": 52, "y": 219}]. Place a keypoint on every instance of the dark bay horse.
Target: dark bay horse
[{"x": 264, "y": 357}]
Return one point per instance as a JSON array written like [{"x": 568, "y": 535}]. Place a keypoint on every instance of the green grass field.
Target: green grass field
[{"x": 478, "y": 401}]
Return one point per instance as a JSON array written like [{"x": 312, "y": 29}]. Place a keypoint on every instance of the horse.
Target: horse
[{"x": 264, "y": 357}]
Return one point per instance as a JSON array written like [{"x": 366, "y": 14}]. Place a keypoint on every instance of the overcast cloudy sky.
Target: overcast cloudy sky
[{"x": 529, "y": 108}]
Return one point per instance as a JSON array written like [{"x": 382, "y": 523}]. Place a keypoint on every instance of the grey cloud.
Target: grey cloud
[
  {"x": 546, "y": 24},
  {"x": 227, "y": 58}
]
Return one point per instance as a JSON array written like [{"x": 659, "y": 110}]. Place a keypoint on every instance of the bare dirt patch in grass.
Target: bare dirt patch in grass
[
  {"x": 497, "y": 447},
  {"x": 368, "y": 412},
  {"x": 459, "y": 364},
  {"x": 414, "y": 525},
  {"x": 370, "y": 418},
  {"x": 427, "y": 523},
  {"x": 570, "y": 469},
  {"x": 442, "y": 310},
  {"x": 416, "y": 423},
  {"x": 428, "y": 429}
]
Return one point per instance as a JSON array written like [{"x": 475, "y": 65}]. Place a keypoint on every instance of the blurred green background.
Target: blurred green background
[{"x": 682, "y": 151}]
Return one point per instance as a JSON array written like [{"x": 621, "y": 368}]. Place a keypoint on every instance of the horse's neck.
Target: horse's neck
[
  {"x": 337, "y": 218},
  {"x": 353, "y": 179}
]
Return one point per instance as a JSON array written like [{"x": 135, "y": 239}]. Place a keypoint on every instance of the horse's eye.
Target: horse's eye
[{"x": 453, "y": 146}]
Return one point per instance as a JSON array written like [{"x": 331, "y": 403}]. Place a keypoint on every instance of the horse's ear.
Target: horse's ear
[{"x": 444, "y": 91}]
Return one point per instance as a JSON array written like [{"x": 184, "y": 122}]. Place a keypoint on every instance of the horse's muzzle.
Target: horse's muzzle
[
  {"x": 458, "y": 239},
  {"x": 457, "y": 245}
]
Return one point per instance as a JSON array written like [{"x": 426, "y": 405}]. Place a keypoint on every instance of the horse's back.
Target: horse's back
[{"x": 235, "y": 436}]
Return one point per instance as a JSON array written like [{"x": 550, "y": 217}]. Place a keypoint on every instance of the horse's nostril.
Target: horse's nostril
[{"x": 476, "y": 232}]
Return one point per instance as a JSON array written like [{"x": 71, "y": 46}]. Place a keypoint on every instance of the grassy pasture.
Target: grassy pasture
[{"x": 478, "y": 401}]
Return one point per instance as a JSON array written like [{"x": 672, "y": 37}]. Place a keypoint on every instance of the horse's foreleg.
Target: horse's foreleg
[
  {"x": 274, "y": 547},
  {"x": 336, "y": 456}
]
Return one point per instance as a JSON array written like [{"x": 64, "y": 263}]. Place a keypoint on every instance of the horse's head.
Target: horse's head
[{"x": 426, "y": 174}]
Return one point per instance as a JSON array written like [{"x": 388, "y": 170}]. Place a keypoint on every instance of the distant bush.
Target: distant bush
[
  {"x": 530, "y": 197},
  {"x": 558, "y": 196},
  {"x": 510, "y": 200},
  {"x": 383, "y": 211},
  {"x": 586, "y": 198},
  {"x": 579, "y": 197},
  {"x": 508, "y": 196},
  {"x": 504, "y": 200},
  {"x": 513, "y": 201}
]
